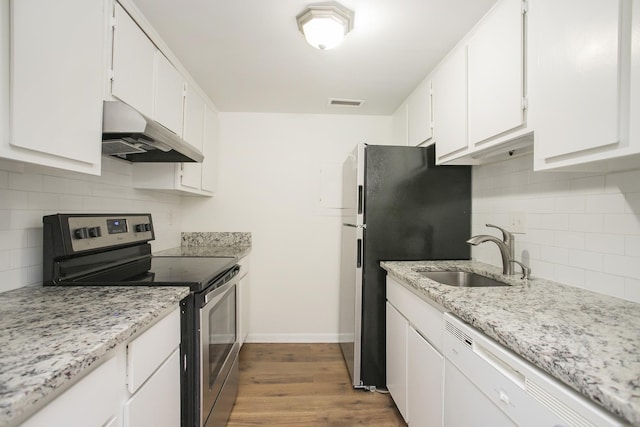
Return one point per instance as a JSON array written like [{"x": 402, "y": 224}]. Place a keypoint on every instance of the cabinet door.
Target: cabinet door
[
  {"x": 419, "y": 110},
  {"x": 425, "y": 382},
  {"x": 574, "y": 75},
  {"x": 133, "y": 64},
  {"x": 4, "y": 73},
  {"x": 450, "y": 103},
  {"x": 157, "y": 403},
  {"x": 57, "y": 72},
  {"x": 495, "y": 70},
  {"x": 634, "y": 131},
  {"x": 194, "y": 108},
  {"x": 397, "y": 358},
  {"x": 169, "y": 95},
  {"x": 210, "y": 151}
]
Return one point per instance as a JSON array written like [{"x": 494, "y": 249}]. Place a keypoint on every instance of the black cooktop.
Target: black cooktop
[{"x": 197, "y": 273}]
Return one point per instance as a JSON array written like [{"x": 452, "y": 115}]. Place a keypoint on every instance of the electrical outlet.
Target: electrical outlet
[{"x": 517, "y": 222}]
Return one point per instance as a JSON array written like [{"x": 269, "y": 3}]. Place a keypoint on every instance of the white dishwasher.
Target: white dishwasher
[{"x": 486, "y": 384}]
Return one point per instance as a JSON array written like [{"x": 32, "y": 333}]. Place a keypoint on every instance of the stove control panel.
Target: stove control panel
[{"x": 91, "y": 232}]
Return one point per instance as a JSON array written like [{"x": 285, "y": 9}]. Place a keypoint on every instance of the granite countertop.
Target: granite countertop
[
  {"x": 231, "y": 244},
  {"x": 50, "y": 336},
  {"x": 589, "y": 341}
]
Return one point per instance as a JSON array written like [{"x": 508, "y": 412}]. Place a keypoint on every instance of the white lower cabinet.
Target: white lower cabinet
[
  {"x": 425, "y": 377},
  {"x": 415, "y": 365},
  {"x": 244, "y": 284},
  {"x": 397, "y": 327},
  {"x": 137, "y": 386}
]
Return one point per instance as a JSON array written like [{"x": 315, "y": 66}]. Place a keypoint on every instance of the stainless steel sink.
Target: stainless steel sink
[{"x": 461, "y": 278}]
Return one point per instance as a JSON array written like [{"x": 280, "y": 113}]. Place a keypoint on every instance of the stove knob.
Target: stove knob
[
  {"x": 147, "y": 227},
  {"x": 95, "y": 232},
  {"x": 81, "y": 233},
  {"x": 140, "y": 228}
]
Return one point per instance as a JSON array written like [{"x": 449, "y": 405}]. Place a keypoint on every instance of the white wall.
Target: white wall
[
  {"x": 28, "y": 192},
  {"x": 269, "y": 185},
  {"x": 582, "y": 229}
]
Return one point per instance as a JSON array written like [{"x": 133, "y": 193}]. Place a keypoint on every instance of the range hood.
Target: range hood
[{"x": 128, "y": 134}]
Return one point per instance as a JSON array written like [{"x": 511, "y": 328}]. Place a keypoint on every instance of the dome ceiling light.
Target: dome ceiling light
[{"x": 324, "y": 25}]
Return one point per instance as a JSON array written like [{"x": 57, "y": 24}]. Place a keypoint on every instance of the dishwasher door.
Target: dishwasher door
[{"x": 493, "y": 384}]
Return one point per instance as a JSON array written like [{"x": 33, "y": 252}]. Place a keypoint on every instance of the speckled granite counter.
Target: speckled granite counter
[
  {"x": 50, "y": 336},
  {"x": 211, "y": 244},
  {"x": 589, "y": 341}
]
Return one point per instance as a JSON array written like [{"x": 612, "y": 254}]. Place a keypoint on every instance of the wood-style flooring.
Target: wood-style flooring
[{"x": 304, "y": 385}]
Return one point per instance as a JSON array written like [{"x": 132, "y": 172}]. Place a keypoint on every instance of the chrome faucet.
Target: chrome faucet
[{"x": 506, "y": 246}]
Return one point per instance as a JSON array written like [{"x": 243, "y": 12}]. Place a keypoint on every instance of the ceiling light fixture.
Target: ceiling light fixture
[{"x": 324, "y": 25}]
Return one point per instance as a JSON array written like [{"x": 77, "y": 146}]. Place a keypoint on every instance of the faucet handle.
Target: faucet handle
[
  {"x": 506, "y": 235},
  {"x": 526, "y": 271}
]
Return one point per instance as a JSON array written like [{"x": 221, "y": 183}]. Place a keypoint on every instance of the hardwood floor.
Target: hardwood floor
[{"x": 304, "y": 385}]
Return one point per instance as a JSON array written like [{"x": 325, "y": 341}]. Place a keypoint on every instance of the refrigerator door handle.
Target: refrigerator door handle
[
  {"x": 359, "y": 255},
  {"x": 360, "y": 195}
]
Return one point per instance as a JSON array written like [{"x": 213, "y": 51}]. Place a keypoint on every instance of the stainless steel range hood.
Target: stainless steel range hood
[{"x": 129, "y": 135}]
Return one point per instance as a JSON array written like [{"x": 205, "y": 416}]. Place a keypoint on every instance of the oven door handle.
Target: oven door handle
[{"x": 221, "y": 284}]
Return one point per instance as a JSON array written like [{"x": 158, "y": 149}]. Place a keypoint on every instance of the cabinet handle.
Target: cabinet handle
[{"x": 359, "y": 256}]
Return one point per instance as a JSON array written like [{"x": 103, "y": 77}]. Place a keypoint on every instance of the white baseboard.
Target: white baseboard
[{"x": 292, "y": 338}]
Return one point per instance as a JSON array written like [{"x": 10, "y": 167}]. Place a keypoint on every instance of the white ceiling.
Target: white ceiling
[{"x": 249, "y": 56}]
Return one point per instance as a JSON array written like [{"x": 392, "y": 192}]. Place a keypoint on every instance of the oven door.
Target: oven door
[{"x": 219, "y": 348}]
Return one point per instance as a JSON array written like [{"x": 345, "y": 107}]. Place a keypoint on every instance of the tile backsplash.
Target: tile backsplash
[
  {"x": 582, "y": 229},
  {"x": 28, "y": 192}
]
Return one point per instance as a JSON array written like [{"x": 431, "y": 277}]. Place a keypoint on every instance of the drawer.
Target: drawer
[
  {"x": 147, "y": 352},
  {"x": 424, "y": 317},
  {"x": 91, "y": 402}
]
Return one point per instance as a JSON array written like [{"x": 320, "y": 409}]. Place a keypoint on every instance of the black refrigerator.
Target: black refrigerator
[{"x": 398, "y": 206}]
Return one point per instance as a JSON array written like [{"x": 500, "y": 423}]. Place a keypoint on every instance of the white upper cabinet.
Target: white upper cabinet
[
  {"x": 634, "y": 110},
  {"x": 496, "y": 73},
  {"x": 584, "y": 83},
  {"x": 4, "y": 73},
  {"x": 133, "y": 64},
  {"x": 194, "y": 118},
  {"x": 57, "y": 68},
  {"x": 575, "y": 76},
  {"x": 419, "y": 114},
  {"x": 450, "y": 103},
  {"x": 169, "y": 95}
]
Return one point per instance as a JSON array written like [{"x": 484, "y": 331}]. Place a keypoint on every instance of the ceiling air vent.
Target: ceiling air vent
[{"x": 338, "y": 102}]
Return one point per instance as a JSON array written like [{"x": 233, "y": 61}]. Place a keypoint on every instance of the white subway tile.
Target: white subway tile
[
  {"x": 555, "y": 221},
  {"x": 58, "y": 185},
  {"x": 13, "y": 279},
  {"x": 605, "y": 203},
  {"x": 96, "y": 204},
  {"x": 4, "y": 179},
  {"x": 22, "y": 219},
  {"x": 585, "y": 259},
  {"x": 623, "y": 182},
  {"x": 26, "y": 257},
  {"x": 539, "y": 205},
  {"x": 12, "y": 239},
  {"x": 82, "y": 188},
  {"x": 44, "y": 201},
  {"x": 26, "y": 182},
  {"x": 632, "y": 246},
  {"x": 541, "y": 237},
  {"x": 586, "y": 222},
  {"x": 603, "y": 283},
  {"x": 34, "y": 274},
  {"x": 13, "y": 199},
  {"x": 34, "y": 237},
  {"x": 588, "y": 185},
  {"x": 569, "y": 239},
  {"x": 633, "y": 203},
  {"x": 604, "y": 243},
  {"x": 5, "y": 220},
  {"x": 622, "y": 224},
  {"x": 5, "y": 260},
  {"x": 554, "y": 254},
  {"x": 632, "y": 290},
  {"x": 542, "y": 269},
  {"x": 575, "y": 204},
  {"x": 569, "y": 275},
  {"x": 620, "y": 265},
  {"x": 70, "y": 203}
]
